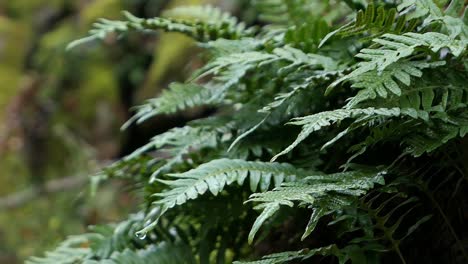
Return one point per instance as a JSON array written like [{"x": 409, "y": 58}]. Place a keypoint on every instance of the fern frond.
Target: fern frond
[
  {"x": 451, "y": 19},
  {"x": 177, "y": 98},
  {"x": 301, "y": 255},
  {"x": 109, "y": 239},
  {"x": 73, "y": 250},
  {"x": 320, "y": 120},
  {"x": 430, "y": 138},
  {"x": 197, "y": 29},
  {"x": 383, "y": 220},
  {"x": 179, "y": 142},
  {"x": 162, "y": 253},
  {"x": 374, "y": 22},
  {"x": 216, "y": 174},
  {"x": 281, "y": 11},
  {"x": 374, "y": 84},
  {"x": 207, "y": 14},
  {"x": 396, "y": 47},
  {"x": 321, "y": 191},
  {"x": 297, "y": 89},
  {"x": 307, "y": 36},
  {"x": 419, "y": 8}
]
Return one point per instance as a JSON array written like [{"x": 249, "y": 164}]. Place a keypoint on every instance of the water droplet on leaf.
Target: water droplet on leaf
[{"x": 141, "y": 235}]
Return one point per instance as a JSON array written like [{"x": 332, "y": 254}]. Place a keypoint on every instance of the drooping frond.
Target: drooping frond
[
  {"x": 215, "y": 175},
  {"x": 321, "y": 192},
  {"x": 320, "y": 120}
]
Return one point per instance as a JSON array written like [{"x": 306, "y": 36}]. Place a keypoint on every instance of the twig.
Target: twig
[{"x": 20, "y": 198}]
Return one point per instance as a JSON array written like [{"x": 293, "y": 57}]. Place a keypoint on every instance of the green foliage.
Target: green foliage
[
  {"x": 390, "y": 108},
  {"x": 203, "y": 23}
]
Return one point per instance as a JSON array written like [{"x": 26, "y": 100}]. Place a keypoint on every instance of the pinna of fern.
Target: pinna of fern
[{"x": 284, "y": 97}]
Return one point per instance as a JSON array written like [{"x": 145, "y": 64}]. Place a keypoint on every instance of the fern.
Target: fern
[
  {"x": 177, "y": 98},
  {"x": 317, "y": 121},
  {"x": 396, "y": 47},
  {"x": 179, "y": 142},
  {"x": 220, "y": 25},
  {"x": 314, "y": 191},
  {"x": 304, "y": 254},
  {"x": 386, "y": 91},
  {"x": 164, "y": 253},
  {"x": 72, "y": 250},
  {"x": 217, "y": 174},
  {"x": 374, "y": 21},
  {"x": 387, "y": 82}
]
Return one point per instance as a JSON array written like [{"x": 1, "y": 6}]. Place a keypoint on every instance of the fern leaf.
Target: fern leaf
[
  {"x": 396, "y": 47},
  {"x": 216, "y": 174},
  {"x": 205, "y": 14},
  {"x": 179, "y": 142},
  {"x": 197, "y": 29},
  {"x": 419, "y": 8},
  {"x": 162, "y": 253},
  {"x": 320, "y": 120},
  {"x": 374, "y": 21},
  {"x": 284, "y": 257},
  {"x": 373, "y": 84},
  {"x": 314, "y": 191},
  {"x": 72, "y": 250},
  {"x": 177, "y": 98}
]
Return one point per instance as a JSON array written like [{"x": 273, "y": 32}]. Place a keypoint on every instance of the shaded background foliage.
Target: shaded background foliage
[{"x": 61, "y": 112}]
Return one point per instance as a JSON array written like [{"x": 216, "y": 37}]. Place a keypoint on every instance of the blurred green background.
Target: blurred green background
[{"x": 60, "y": 113}]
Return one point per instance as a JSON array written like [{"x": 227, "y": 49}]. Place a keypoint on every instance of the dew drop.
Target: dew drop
[{"x": 141, "y": 235}]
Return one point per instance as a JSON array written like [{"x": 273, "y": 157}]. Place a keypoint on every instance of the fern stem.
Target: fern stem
[{"x": 446, "y": 220}]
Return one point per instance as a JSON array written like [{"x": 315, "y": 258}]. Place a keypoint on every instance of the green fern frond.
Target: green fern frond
[
  {"x": 320, "y": 120},
  {"x": 419, "y": 8},
  {"x": 216, "y": 174},
  {"x": 396, "y": 47},
  {"x": 108, "y": 239},
  {"x": 179, "y": 142},
  {"x": 374, "y": 22},
  {"x": 430, "y": 138},
  {"x": 177, "y": 98},
  {"x": 197, "y": 29},
  {"x": 343, "y": 255},
  {"x": 281, "y": 11},
  {"x": 374, "y": 84},
  {"x": 205, "y": 14},
  {"x": 162, "y": 253},
  {"x": 73, "y": 250},
  {"x": 383, "y": 221},
  {"x": 296, "y": 89},
  {"x": 307, "y": 36},
  {"x": 321, "y": 192}
]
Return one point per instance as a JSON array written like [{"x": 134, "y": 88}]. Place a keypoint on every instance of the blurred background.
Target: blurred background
[{"x": 61, "y": 112}]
